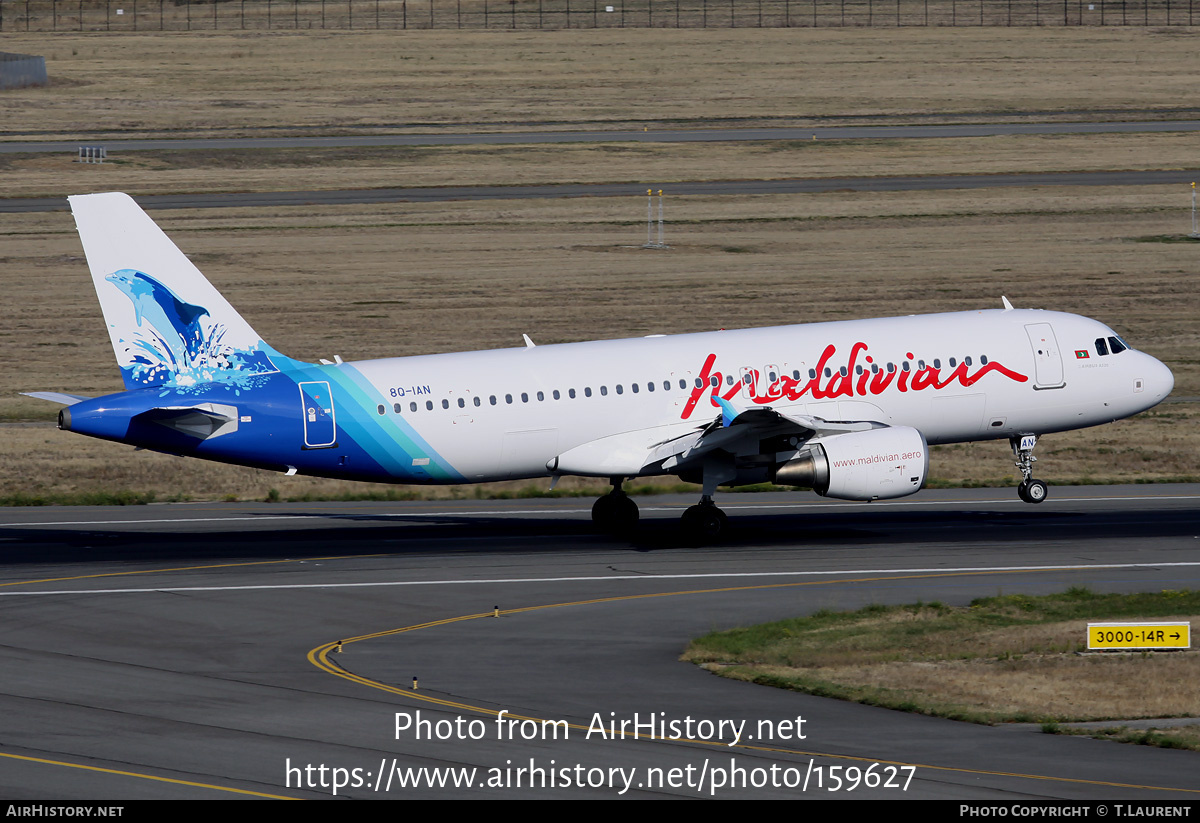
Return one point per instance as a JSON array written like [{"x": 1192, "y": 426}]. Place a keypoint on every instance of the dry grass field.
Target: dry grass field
[
  {"x": 176, "y": 84},
  {"x": 166, "y": 172},
  {"x": 1001, "y": 659},
  {"x": 370, "y": 281}
]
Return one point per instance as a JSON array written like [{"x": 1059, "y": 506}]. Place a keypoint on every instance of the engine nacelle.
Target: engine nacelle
[{"x": 871, "y": 465}]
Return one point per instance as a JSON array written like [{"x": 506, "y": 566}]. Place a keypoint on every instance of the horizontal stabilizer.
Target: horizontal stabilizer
[{"x": 57, "y": 397}]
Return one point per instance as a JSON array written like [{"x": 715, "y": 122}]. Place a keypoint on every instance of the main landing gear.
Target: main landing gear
[
  {"x": 615, "y": 513},
  {"x": 1030, "y": 490},
  {"x": 704, "y": 522}
]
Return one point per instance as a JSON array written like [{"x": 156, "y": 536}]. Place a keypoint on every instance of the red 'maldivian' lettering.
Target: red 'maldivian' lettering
[{"x": 838, "y": 384}]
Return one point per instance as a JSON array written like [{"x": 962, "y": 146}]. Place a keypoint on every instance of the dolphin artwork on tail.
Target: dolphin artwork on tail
[{"x": 169, "y": 338}]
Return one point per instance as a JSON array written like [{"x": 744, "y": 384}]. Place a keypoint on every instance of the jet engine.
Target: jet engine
[{"x": 871, "y": 465}]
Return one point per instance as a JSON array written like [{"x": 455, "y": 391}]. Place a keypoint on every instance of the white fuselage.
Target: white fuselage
[{"x": 954, "y": 377}]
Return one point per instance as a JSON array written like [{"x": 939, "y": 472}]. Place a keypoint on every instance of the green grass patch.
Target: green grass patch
[
  {"x": 119, "y": 498},
  {"x": 1167, "y": 238},
  {"x": 1181, "y": 737},
  {"x": 1001, "y": 659}
]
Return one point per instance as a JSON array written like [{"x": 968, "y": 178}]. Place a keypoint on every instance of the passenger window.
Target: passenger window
[
  {"x": 396, "y": 408},
  {"x": 587, "y": 391},
  {"x": 508, "y": 398},
  {"x": 983, "y": 360},
  {"x": 492, "y": 399},
  {"x": 604, "y": 391},
  {"x": 812, "y": 374},
  {"x": 796, "y": 374},
  {"x": 428, "y": 405},
  {"x": 635, "y": 388},
  {"x": 683, "y": 383},
  {"x": 524, "y": 397},
  {"x": 445, "y": 404},
  {"x": 937, "y": 363},
  {"x": 477, "y": 402},
  {"x": 557, "y": 396},
  {"x": 382, "y": 409},
  {"x": 571, "y": 393},
  {"x": 967, "y": 360},
  {"x": 729, "y": 380},
  {"x": 828, "y": 373},
  {"x": 952, "y": 362},
  {"x": 620, "y": 390},
  {"x": 412, "y": 406},
  {"x": 462, "y": 403},
  {"x": 716, "y": 381},
  {"x": 891, "y": 367},
  {"x": 541, "y": 396}
]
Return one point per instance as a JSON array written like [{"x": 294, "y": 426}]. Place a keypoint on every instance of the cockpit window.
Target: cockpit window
[
  {"x": 1118, "y": 345},
  {"x": 1101, "y": 346}
]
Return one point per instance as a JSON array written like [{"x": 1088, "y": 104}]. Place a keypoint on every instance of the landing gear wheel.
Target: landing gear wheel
[
  {"x": 704, "y": 522},
  {"x": 615, "y": 513},
  {"x": 1033, "y": 491}
]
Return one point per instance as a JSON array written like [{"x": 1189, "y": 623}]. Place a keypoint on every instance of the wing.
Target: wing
[{"x": 760, "y": 435}]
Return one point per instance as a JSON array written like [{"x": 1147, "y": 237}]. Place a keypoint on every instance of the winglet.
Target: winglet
[
  {"x": 728, "y": 412},
  {"x": 529, "y": 344},
  {"x": 1007, "y": 306}
]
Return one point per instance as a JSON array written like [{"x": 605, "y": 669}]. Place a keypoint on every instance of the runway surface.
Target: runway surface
[
  {"x": 904, "y": 131},
  {"x": 188, "y": 651},
  {"x": 702, "y": 187}
]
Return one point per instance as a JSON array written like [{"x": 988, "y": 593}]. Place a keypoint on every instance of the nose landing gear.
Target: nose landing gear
[{"x": 1030, "y": 490}]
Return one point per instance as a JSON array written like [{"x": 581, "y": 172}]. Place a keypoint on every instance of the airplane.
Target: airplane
[{"x": 848, "y": 408}]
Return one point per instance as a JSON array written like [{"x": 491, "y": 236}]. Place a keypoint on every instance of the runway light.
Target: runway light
[
  {"x": 414, "y": 688},
  {"x": 495, "y": 611}
]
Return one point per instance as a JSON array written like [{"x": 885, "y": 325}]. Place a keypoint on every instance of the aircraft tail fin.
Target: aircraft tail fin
[{"x": 168, "y": 325}]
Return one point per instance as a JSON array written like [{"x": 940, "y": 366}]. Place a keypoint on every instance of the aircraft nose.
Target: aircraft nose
[{"x": 1159, "y": 380}]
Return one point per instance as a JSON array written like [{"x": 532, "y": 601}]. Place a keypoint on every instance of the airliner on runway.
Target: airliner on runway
[{"x": 848, "y": 409}]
